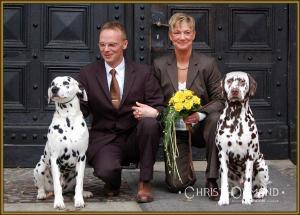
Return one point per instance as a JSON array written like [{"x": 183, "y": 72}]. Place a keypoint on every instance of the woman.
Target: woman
[{"x": 186, "y": 69}]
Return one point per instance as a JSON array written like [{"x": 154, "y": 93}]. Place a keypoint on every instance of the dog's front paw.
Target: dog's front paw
[
  {"x": 224, "y": 200},
  {"x": 79, "y": 203},
  {"x": 261, "y": 193},
  {"x": 59, "y": 203},
  {"x": 87, "y": 194},
  {"x": 41, "y": 194},
  {"x": 247, "y": 200}
]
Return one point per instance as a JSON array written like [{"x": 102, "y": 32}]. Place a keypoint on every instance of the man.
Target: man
[{"x": 113, "y": 87}]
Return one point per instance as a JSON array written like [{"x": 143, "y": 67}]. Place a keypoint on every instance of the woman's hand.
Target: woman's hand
[
  {"x": 143, "y": 110},
  {"x": 193, "y": 118}
]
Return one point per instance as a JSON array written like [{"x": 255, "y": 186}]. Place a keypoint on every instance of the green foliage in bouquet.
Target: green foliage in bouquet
[{"x": 182, "y": 104}]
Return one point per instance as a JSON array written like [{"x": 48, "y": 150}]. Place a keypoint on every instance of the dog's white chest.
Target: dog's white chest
[
  {"x": 237, "y": 132},
  {"x": 70, "y": 132}
]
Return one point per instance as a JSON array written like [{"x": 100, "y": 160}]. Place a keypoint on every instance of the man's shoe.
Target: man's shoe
[
  {"x": 213, "y": 189},
  {"x": 109, "y": 191},
  {"x": 144, "y": 192}
]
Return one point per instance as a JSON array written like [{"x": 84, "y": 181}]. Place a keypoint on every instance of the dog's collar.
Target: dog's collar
[{"x": 67, "y": 101}]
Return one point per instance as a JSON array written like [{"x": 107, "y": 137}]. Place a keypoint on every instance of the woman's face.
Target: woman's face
[{"x": 182, "y": 36}]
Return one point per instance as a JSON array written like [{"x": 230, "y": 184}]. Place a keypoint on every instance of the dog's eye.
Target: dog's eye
[
  {"x": 229, "y": 81},
  {"x": 66, "y": 83},
  {"x": 242, "y": 81},
  {"x": 52, "y": 83}
]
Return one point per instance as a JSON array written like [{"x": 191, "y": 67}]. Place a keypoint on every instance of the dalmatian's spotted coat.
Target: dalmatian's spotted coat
[
  {"x": 241, "y": 163},
  {"x": 61, "y": 167}
]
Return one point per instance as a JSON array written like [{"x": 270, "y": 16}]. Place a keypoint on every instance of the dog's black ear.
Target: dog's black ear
[
  {"x": 82, "y": 95},
  {"x": 252, "y": 85}
]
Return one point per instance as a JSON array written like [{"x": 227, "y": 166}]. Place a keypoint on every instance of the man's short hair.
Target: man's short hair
[
  {"x": 114, "y": 25},
  {"x": 179, "y": 18}
]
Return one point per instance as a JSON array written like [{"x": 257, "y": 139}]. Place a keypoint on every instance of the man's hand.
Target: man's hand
[{"x": 143, "y": 110}]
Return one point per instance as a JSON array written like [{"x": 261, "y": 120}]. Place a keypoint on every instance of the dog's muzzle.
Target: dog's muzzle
[
  {"x": 54, "y": 90},
  {"x": 235, "y": 93}
]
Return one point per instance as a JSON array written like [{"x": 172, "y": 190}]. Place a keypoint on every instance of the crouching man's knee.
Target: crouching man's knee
[{"x": 148, "y": 126}]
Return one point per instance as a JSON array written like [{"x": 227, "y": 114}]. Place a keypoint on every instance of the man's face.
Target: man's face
[
  {"x": 111, "y": 45},
  {"x": 182, "y": 36}
]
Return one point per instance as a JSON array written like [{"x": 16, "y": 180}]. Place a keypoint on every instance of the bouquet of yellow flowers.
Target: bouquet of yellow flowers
[{"x": 182, "y": 104}]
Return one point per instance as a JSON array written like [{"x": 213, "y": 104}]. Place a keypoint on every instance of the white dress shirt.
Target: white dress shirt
[{"x": 120, "y": 75}]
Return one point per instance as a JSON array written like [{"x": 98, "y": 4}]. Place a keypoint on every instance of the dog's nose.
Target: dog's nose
[
  {"x": 54, "y": 90},
  {"x": 235, "y": 92}
]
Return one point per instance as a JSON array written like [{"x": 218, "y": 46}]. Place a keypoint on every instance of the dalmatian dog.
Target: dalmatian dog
[
  {"x": 242, "y": 166},
  {"x": 61, "y": 167}
]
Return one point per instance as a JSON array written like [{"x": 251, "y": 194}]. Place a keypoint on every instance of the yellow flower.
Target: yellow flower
[
  {"x": 188, "y": 93},
  {"x": 184, "y": 99},
  {"x": 188, "y": 105},
  {"x": 178, "y": 107},
  {"x": 171, "y": 102},
  {"x": 196, "y": 100},
  {"x": 179, "y": 97}
]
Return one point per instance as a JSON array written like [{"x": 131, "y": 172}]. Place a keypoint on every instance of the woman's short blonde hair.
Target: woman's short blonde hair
[{"x": 179, "y": 18}]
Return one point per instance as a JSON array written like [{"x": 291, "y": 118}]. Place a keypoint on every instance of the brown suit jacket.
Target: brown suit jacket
[
  {"x": 203, "y": 78},
  {"x": 109, "y": 124}
]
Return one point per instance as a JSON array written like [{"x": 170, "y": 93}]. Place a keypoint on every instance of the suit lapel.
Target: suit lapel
[
  {"x": 128, "y": 81},
  {"x": 193, "y": 71},
  {"x": 102, "y": 78},
  {"x": 172, "y": 71}
]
